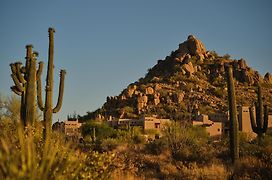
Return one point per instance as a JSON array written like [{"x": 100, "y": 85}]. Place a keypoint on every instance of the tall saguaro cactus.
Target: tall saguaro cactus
[
  {"x": 233, "y": 127},
  {"x": 25, "y": 85},
  {"x": 48, "y": 109},
  {"x": 259, "y": 126}
]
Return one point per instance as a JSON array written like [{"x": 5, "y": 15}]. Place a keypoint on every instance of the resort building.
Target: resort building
[
  {"x": 72, "y": 128},
  {"x": 145, "y": 122},
  {"x": 213, "y": 128},
  {"x": 218, "y": 124}
]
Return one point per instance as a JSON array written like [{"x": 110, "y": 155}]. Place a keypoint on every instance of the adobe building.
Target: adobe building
[
  {"x": 116, "y": 123},
  {"x": 244, "y": 120},
  {"x": 145, "y": 122},
  {"x": 154, "y": 123},
  {"x": 212, "y": 128},
  {"x": 72, "y": 128}
]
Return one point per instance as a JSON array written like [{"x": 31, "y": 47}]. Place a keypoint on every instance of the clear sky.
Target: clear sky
[{"x": 106, "y": 45}]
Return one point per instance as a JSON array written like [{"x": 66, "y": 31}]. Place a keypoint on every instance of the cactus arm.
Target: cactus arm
[
  {"x": 40, "y": 69},
  {"x": 61, "y": 89},
  {"x": 16, "y": 91},
  {"x": 252, "y": 120},
  {"x": 39, "y": 94},
  {"x": 39, "y": 87},
  {"x": 19, "y": 74},
  {"x": 16, "y": 78},
  {"x": 13, "y": 68},
  {"x": 17, "y": 83}
]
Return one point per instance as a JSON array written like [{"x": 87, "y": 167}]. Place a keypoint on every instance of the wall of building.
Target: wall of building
[
  {"x": 215, "y": 129},
  {"x": 72, "y": 128}
]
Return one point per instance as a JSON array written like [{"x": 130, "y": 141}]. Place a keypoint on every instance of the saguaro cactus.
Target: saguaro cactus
[
  {"x": 48, "y": 109},
  {"x": 259, "y": 126},
  {"x": 25, "y": 85},
  {"x": 233, "y": 127}
]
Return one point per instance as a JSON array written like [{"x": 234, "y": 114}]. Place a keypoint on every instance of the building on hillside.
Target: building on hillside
[
  {"x": 154, "y": 123},
  {"x": 72, "y": 128},
  {"x": 212, "y": 128},
  {"x": 117, "y": 123},
  {"x": 212, "y": 122},
  {"x": 244, "y": 120},
  {"x": 144, "y": 122}
]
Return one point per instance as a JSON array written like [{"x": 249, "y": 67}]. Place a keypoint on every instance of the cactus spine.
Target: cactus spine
[
  {"x": 233, "y": 127},
  {"x": 48, "y": 109},
  {"x": 25, "y": 85},
  {"x": 259, "y": 126}
]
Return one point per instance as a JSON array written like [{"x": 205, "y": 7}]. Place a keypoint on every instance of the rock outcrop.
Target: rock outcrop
[
  {"x": 189, "y": 78},
  {"x": 189, "y": 68},
  {"x": 193, "y": 47}
]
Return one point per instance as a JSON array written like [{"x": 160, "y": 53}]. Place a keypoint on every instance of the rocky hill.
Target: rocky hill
[{"x": 190, "y": 79}]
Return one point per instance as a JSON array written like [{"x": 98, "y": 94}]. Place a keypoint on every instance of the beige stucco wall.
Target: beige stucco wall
[{"x": 215, "y": 129}]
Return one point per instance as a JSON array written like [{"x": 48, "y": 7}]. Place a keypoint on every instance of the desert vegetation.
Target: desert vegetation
[
  {"x": 29, "y": 149},
  {"x": 183, "y": 151}
]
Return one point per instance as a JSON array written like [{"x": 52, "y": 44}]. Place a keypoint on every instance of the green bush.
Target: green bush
[
  {"x": 188, "y": 144},
  {"x": 156, "y": 146},
  {"x": 108, "y": 144},
  {"x": 102, "y": 130}
]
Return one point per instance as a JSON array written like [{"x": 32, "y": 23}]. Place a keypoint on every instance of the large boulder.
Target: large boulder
[
  {"x": 156, "y": 99},
  {"x": 189, "y": 68},
  {"x": 142, "y": 100},
  {"x": 149, "y": 90},
  {"x": 192, "y": 46},
  {"x": 130, "y": 91}
]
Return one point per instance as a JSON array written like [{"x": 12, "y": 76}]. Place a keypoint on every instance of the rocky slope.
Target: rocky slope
[{"x": 190, "y": 79}]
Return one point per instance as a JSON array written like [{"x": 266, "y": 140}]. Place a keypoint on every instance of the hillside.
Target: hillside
[{"x": 190, "y": 79}]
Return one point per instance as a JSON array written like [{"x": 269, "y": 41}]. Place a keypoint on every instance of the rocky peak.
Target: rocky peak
[
  {"x": 190, "y": 78},
  {"x": 192, "y": 46}
]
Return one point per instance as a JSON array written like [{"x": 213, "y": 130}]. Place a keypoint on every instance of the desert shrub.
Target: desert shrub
[
  {"x": 156, "y": 146},
  {"x": 256, "y": 147},
  {"x": 188, "y": 143},
  {"x": 138, "y": 139},
  {"x": 252, "y": 168},
  {"x": 226, "y": 56},
  {"x": 97, "y": 166},
  {"x": 102, "y": 131},
  {"x": 205, "y": 109},
  {"x": 108, "y": 144},
  {"x": 24, "y": 154},
  {"x": 218, "y": 92},
  {"x": 29, "y": 156},
  {"x": 194, "y": 171}
]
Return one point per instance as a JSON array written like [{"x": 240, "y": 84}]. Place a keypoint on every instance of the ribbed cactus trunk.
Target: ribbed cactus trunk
[
  {"x": 30, "y": 95},
  {"x": 49, "y": 83},
  {"x": 233, "y": 126},
  {"x": 259, "y": 126},
  {"x": 48, "y": 107},
  {"x": 25, "y": 85}
]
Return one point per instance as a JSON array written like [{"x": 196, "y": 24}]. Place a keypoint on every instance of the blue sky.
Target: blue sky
[{"x": 106, "y": 45}]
